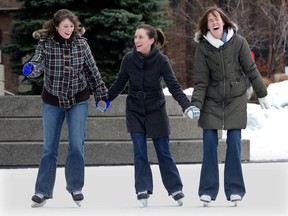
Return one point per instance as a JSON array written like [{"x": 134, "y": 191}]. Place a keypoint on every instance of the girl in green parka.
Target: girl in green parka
[{"x": 223, "y": 63}]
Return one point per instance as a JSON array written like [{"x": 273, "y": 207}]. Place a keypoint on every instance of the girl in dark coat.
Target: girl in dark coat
[
  {"x": 144, "y": 68},
  {"x": 222, "y": 64}
]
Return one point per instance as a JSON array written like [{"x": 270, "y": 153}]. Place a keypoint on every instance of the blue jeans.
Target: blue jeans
[
  {"x": 233, "y": 177},
  {"x": 53, "y": 118},
  {"x": 143, "y": 174}
]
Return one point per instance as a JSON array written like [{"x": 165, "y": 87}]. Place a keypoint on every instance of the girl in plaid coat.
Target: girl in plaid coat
[{"x": 65, "y": 59}]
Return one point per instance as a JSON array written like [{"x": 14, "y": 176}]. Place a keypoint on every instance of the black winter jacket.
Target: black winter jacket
[{"x": 145, "y": 103}]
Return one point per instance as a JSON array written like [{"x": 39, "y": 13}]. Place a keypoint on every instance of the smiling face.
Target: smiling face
[
  {"x": 142, "y": 41},
  {"x": 215, "y": 24},
  {"x": 65, "y": 28}
]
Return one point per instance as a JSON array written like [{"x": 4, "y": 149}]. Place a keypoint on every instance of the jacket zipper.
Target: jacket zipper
[{"x": 224, "y": 85}]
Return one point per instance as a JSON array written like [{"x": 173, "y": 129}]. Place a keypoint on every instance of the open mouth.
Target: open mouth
[{"x": 216, "y": 28}]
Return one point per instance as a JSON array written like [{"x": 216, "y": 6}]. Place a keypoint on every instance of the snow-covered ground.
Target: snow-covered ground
[{"x": 266, "y": 129}]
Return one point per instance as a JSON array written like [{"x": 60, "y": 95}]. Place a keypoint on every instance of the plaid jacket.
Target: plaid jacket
[{"x": 67, "y": 68}]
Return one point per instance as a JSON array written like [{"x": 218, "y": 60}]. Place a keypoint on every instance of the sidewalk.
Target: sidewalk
[{"x": 110, "y": 191}]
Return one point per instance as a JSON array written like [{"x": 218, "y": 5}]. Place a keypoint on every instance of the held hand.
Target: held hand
[
  {"x": 27, "y": 69},
  {"x": 103, "y": 105},
  {"x": 192, "y": 112},
  {"x": 264, "y": 102}
]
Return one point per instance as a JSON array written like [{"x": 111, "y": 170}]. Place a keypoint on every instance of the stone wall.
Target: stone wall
[{"x": 107, "y": 141}]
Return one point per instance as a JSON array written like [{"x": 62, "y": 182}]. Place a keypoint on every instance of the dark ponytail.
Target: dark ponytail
[
  {"x": 155, "y": 33},
  {"x": 161, "y": 38}
]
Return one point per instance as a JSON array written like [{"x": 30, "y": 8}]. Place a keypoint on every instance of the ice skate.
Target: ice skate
[
  {"x": 235, "y": 198},
  {"x": 178, "y": 197},
  {"x": 38, "y": 200},
  {"x": 143, "y": 198},
  {"x": 77, "y": 197},
  {"x": 206, "y": 199}
]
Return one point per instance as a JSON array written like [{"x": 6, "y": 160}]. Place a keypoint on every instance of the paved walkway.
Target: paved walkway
[{"x": 110, "y": 191}]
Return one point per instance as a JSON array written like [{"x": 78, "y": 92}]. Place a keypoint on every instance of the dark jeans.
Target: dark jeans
[
  {"x": 233, "y": 177},
  {"x": 143, "y": 175}
]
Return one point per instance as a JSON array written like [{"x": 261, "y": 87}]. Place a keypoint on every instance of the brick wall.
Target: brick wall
[
  {"x": 175, "y": 49},
  {"x": 6, "y": 7},
  {"x": 181, "y": 46}
]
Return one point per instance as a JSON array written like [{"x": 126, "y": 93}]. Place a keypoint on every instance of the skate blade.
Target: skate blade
[
  {"x": 180, "y": 202},
  {"x": 144, "y": 202},
  {"x": 78, "y": 203},
  {"x": 235, "y": 203},
  {"x": 37, "y": 205},
  {"x": 205, "y": 204}
]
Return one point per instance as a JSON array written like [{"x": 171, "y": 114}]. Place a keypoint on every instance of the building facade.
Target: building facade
[
  {"x": 7, "y": 7},
  {"x": 180, "y": 47}
]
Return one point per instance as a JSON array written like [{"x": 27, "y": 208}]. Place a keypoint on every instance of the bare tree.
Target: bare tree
[
  {"x": 243, "y": 12},
  {"x": 185, "y": 13},
  {"x": 264, "y": 24},
  {"x": 277, "y": 17}
]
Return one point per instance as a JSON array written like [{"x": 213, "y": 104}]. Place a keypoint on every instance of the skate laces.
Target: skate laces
[
  {"x": 175, "y": 193},
  {"x": 76, "y": 193},
  {"x": 142, "y": 195},
  {"x": 41, "y": 196}
]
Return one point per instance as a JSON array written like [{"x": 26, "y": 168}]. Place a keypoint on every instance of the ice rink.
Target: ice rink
[{"x": 110, "y": 191}]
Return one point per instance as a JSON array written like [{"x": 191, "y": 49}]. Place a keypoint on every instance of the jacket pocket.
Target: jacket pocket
[{"x": 237, "y": 88}]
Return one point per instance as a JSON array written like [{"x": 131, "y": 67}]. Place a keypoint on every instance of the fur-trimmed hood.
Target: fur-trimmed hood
[
  {"x": 47, "y": 33},
  {"x": 215, "y": 42}
]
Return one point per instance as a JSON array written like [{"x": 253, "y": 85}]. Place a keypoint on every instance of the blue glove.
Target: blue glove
[
  {"x": 103, "y": 105},
  {"x": 27, "y": 69},
  {"x": 192, "y": 112}
]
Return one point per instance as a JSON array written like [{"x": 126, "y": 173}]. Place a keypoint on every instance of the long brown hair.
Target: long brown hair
[
  {"x": 156, "y": 33},
  {"x": 49, "y": 26},
  {"x": 202, "y": 24}
]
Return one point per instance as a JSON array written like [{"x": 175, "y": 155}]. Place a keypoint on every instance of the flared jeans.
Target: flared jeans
[
  {"x": 143, "y": 174},
  {"x": 53, "y": 118},
  {"x": 233, "y": 177}
]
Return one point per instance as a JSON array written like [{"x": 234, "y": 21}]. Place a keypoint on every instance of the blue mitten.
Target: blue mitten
[
  {"x": 103, "y": 105},
  {"x": 27, "y": 69}
]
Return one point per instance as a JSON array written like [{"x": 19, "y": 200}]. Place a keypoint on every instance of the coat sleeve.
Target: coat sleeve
[
  {"x": 120, "y": 83},
  {"x": 93, "y": 75},
  {"x": 38, "y": 60},
  {"x": 250, "y": 70},
  {"x": 174, "y": 86},
  {"x": 201, "y": 78}
]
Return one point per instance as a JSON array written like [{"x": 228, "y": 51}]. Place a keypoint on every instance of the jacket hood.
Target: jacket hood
[
  {"x": 198, "y": 35},
  {"x": 212, "y": 40},
  {"x": 140, "y": 59},
  {"x": 47, "y": 33}
]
